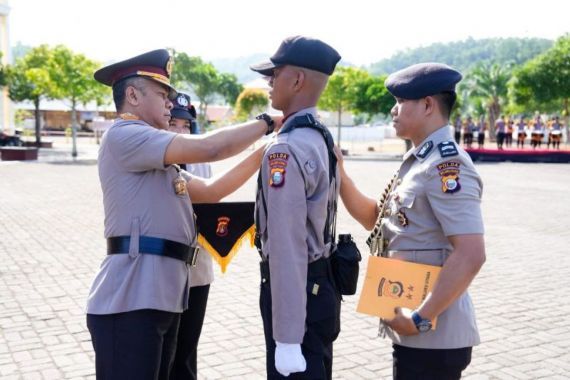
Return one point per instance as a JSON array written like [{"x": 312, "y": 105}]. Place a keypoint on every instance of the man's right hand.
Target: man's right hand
[{"x": 289, "y": 358}]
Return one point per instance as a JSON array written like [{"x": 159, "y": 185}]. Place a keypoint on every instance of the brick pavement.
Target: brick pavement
[{"x": 51, "y": 245}]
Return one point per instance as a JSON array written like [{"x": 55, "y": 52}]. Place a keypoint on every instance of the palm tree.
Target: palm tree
[{"x": 488, "y": 81}]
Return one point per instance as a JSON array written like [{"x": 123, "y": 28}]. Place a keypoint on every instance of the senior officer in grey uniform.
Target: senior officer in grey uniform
[
  {"x": 136, "y": 299},
  {"x": 430, "y": 214},
  {"x": 299, "y": 303}
]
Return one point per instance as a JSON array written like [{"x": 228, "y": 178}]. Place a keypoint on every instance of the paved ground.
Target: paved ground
[{"x": 51, "y": 243}]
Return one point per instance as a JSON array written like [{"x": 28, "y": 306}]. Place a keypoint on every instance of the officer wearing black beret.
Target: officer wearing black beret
[
  {"x": 431, "y": 214},
  {"x": 142, "y": 287},
  {"x": 296, "y": 203}
]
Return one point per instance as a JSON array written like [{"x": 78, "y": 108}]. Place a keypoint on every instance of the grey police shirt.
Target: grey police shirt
[
  {"x": 437, "y": 194},
  {"x": 295, "y": 181},
  {"x": 139, "y": 200},
  {"x": 203, "y": 273}
]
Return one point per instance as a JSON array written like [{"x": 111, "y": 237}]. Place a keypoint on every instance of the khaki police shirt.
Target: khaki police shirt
[
  {"x": 437, "y": 194},
  {"x": 295, "y": 181},
  {"x": 139, "y": 200}
]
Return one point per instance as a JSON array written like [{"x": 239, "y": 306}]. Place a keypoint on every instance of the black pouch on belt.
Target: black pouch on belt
[{"x": 345, "y": 261}]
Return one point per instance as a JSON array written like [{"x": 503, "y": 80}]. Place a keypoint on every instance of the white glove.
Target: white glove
[{"x": 289, "y": 358}]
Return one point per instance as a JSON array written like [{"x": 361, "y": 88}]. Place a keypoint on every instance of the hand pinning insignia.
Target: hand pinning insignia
[{"x": 449, "y": 173}]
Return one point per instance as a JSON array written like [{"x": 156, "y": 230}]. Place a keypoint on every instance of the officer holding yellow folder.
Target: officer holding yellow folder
[{"x": 431, "y": 214}]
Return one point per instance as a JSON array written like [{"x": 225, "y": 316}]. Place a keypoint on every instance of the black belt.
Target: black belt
[
  {"x": 319, "y": 268},
  {"x": 154, "y": 246}
]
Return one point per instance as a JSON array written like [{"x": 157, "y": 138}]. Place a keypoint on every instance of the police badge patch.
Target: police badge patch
[
  {"x": 449, "y": 173},
  {"x": 277, "y": 165}
]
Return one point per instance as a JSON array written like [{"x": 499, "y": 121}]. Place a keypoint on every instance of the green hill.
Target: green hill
[{"x": 462, "y": 55}]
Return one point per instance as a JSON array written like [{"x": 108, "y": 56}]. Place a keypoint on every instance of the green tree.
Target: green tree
[
  {"x": 229, "y": 87},
  {"x": 372, "y": 97},
  {"x": 544, "y": 82},
  {"x": 490, "y": 83},
  {"x": 250, "y": 101},
  {"x": 29, "y": 79},
  {"x": 72, "y": 75},
  {"x": 340, "y": 94},
  {"x": 204, "y": 81}
]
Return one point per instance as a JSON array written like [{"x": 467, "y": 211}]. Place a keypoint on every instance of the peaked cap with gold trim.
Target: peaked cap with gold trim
[{"x": 155, "y": 65}]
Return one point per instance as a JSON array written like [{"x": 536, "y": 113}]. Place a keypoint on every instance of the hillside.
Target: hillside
[{"x": 464, "y": 54}]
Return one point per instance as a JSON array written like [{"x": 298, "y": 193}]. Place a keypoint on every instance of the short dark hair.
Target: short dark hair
[
  {"x": 119, "y": 91},
  {"x": 446, "y": 102}
]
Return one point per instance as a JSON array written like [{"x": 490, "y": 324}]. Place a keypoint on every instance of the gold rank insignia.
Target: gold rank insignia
[
  {"x": 169, "y": 65},
  {"x": 402, "y": 218},
  {"x": 128, "y": 116},
  {"x": 179, "y": 183}
]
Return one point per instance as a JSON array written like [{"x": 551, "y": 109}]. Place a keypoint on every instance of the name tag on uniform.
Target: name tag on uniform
[{"x": 390, "y": 283}]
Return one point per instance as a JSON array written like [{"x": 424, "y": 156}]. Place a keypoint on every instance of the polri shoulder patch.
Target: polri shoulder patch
[
  {"x": 277, "y": 166},
  {"x": 449, "y": 174},
  {"x": 447, "y": 149},
  {"x": 425, "y": 149}
]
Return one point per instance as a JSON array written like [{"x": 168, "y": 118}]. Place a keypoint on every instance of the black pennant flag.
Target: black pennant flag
[{"x": 222, "y": 228}]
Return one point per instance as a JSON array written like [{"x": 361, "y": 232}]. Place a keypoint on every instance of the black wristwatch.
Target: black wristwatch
[
  {"x": 270, "y": 123},
  {"x": 423, "y": 325}
]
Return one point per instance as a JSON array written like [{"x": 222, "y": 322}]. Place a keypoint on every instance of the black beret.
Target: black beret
[
  {"x": 181, "y": 107},
  {"x": 155, "y": 65},
  {"x": 301, "y": 51},
  {"x": 421, "y": 80}
]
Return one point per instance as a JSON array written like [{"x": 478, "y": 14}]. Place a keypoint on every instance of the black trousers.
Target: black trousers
[
  {"x": 191, "y": 321},
  {"x": 322, "y": 325},
  {"x": 429, "y": 364},
  {"x": 136, "y": 345}
]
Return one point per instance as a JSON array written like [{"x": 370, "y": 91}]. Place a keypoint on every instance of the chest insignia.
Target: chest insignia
[{"x": 402, "y": 218}]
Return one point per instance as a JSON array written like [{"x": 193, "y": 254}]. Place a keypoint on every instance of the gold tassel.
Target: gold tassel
[{"x": 224, "y": 261}]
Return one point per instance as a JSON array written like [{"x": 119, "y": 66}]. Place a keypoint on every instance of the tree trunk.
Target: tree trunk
[
  {"x": 567, "y": 118},
  {"x": 73, "y": 129},
  {"x": 494, "y": 113},
  {"x": 339, "y": 122},
  {"x": 37, "y": 116},
  {"x": 203, "y": 117}
]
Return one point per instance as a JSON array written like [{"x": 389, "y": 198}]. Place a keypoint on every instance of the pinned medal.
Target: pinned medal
[
  {"x": 402, "y": 218},
  {"x": 179, "y": 185}
]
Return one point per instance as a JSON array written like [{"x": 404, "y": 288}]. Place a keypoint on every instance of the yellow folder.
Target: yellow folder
[{"x": 390, "y": 283}]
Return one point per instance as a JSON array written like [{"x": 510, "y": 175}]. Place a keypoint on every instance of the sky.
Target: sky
[{"x": 363, "y": 31}]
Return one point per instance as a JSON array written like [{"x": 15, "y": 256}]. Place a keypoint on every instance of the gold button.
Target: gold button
[
  {"x": 399, "y": 181},
  {"x": 387, "y": 213}
]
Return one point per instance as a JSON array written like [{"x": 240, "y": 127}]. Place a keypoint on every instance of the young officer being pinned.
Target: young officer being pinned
[
  {"x": 295, "y": 206},
  {"x": 432, "y": 215},
  {"x": 141, "y": 289}
]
